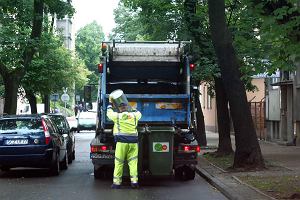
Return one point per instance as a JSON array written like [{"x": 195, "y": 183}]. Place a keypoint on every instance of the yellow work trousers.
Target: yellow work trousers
[{"x": 129, "y": 152}]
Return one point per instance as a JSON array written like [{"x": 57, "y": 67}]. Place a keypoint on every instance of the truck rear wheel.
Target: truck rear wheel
[
  {"x": 184, "y": 173},
  {"x": 98, "y": 173},
  {"x": 190, "y": 173}
]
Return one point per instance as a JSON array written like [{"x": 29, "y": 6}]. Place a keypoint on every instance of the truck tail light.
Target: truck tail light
[
  {"x": 103, "y": 148},
  {"x": 100, "y": 68},
  {"x": 46, "y": 132},
  {"x": 189, "y": 148},
  {"x": 100, "y": 148},
  {"x": 192, "y": 67}
]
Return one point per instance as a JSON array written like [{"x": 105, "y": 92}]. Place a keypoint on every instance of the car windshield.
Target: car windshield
[
  {"x": 20, "y": 125},
  {"x": 87, "y": 115},
  {"x": 58, "y": 120}
]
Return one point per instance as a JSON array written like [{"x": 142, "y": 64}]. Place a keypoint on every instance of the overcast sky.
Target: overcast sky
[{"x": 90, "y": 10}]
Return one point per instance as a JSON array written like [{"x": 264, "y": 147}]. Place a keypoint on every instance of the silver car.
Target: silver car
[{"x": 86, "y": 121}]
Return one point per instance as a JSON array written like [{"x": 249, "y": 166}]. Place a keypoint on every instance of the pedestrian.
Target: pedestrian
[
  {"x": 126, "y": 137},
  {"x": 76, "y": 110}
]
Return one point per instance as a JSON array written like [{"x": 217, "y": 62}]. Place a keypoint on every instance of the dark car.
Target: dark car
[
  {"x": 64, "y": 129},
  {"x": 86, "y": 121},
  {"x": 31, "y": 141}
]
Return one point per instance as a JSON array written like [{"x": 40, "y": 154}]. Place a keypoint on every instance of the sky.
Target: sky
[{"x": 90, "y": 10}]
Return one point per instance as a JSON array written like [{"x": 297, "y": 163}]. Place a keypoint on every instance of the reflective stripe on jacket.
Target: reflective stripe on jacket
[{"x": 125, "y": 124}]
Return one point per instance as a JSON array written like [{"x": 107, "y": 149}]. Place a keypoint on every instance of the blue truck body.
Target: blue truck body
[{"x": 155, "y": 76}]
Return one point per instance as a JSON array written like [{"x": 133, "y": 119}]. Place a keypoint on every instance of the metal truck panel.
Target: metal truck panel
[
  {"x": 168, "y": 109},
  {"x": 151, "y": 52}
]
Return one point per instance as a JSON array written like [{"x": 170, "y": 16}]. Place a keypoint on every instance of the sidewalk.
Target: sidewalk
[{"x": 285, "y": 160}]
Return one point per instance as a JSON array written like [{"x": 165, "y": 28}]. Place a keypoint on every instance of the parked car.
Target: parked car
[
  {"x": 86, "y": 121},
  {"x": 31, "y": 141},
  {"x": 64, "y": 128},
  {"x": 72, "y": 122}
]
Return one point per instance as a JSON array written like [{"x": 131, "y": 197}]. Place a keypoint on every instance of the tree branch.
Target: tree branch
[
  {"x": 3, "y": 69},
  {"x": 36, "y": 32}
]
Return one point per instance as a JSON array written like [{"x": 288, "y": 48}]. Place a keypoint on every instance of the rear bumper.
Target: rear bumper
[
  {"x": 28, "y": 160},
  {"x": 83, "y": 127}
]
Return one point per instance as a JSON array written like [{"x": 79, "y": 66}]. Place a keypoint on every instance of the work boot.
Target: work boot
[
  {"x": 135, "y": 186},
  {"x": 115, "y": 186}
]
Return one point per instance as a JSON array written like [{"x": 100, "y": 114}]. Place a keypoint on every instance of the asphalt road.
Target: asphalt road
[{"x": 78, "y": 183}]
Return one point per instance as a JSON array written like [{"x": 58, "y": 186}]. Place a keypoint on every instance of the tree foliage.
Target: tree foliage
[
  {"x": 88, "y": 46},
  {"x": 53, "y": 68},
  {"x": 20, "y": 33}
]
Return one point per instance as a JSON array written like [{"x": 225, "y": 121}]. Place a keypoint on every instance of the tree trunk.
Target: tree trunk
[
  {"x": 32, "y": 101},
  {"x": 225, "y": 146},
  {"x": 46, "y": 103},
  {"x": 248, "y": 153},
  {"x": 11, "y": 84},
  {"x": 12, "y": 79},
  {"x": 201, "y": 134}
]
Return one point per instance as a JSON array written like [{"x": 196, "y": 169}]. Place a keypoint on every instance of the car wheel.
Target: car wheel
[
  {"x": 73, "y": 155},
  {"x": 78, "y": 130},
  {"x": 70, "y": 158},
  {"x": 54, "y": 169},
  {"x": 4, "y": 169},
  {"x": 65, "y": 162}
]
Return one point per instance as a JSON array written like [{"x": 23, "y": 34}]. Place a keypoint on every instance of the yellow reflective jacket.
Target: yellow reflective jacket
[{"x": 125, "y": 125}]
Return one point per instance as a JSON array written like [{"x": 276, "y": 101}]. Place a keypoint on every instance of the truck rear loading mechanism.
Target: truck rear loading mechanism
[{"x": 155, "y": 76}]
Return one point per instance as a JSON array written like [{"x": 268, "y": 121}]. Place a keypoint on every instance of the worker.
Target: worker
[{"x": 126, "y": 137}]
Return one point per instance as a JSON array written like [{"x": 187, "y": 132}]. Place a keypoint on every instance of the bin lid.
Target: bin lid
[{"x": 116, "y": 94}]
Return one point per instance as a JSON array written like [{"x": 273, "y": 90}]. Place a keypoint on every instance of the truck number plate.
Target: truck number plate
[
  {"x": 161, "y": 147},
  {"x": 102, "y": 156}
]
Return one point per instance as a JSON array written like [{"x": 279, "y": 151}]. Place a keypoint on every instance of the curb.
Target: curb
[
  {"x": 253, "y": 188},
  {"x": 217, "y": 184}
]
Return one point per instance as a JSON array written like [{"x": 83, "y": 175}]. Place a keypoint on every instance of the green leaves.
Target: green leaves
[
  {"x": 88, "y": 44},
  {"x": 53, "y": 68}
]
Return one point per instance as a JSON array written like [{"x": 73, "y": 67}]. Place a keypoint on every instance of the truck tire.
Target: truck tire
[
  {"x": 179, "y": 173},
  {"x": 189, "y": 173},
  {"x": 98, "y": 173},
  {"x": 184, "y": 173}
]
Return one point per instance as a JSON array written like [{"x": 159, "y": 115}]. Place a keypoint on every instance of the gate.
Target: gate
[{"x": 259, "y": 119}]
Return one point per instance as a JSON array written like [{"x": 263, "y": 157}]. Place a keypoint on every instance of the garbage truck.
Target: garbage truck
[{"x": 155, "y": 77}]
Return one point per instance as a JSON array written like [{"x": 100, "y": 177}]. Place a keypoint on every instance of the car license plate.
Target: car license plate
[{"x": 16, "y": 142}]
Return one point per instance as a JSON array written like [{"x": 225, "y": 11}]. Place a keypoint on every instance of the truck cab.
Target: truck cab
[{"x": 155, "y": 76}]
